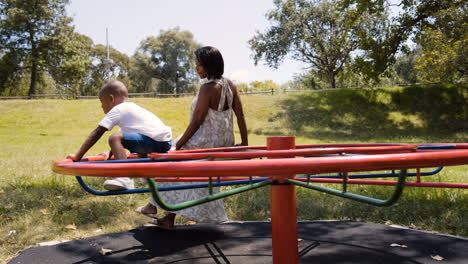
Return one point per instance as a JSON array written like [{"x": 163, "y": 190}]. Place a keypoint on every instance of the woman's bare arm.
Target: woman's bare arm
[
  {"x": 199, "y": 114},
  {"x": 237, "y": 107}
]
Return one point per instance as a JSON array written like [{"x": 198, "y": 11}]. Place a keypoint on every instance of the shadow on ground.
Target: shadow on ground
[
  {"x": 250, "y": 242},
  {"x": 434, "y": 113}
]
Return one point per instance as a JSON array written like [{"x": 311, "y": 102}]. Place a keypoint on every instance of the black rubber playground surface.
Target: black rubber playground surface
[{"x": 250, "y": 242}]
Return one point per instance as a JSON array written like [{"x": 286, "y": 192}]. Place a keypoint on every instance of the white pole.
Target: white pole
[{"x": 107, "y": 42}]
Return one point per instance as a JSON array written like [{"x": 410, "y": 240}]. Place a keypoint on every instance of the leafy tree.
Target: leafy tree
[
  {"x": 381, "y": 50},
  {"x": 103, "y": 70},
  {"x": 9, "y": 74},
  {"x": 267, "y": 85},
  {"x": 444, "y": 46},
  {"x": 168, "y": 58},
  {"x": 243, "y": 87},
  {"x": 404, "y": 66},
  {"x": 294, "y": 84},
  {"x": 256, "y": 85},
  {"x": 25, "y": 28},
  {"x": 311, "y": 81},
  {"x": 141, "y": 72},
  {"x": 68, "y": 60},
  {"x": 314, "y": 32}
]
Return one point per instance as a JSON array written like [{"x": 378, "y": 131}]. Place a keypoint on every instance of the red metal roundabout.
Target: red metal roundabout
[{"x": 282, "y": 165}]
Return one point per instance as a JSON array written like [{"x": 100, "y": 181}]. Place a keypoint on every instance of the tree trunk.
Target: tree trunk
[
  {"x": 331, "y": 79},
  {"x": 33, "y": 84},
  {"x": 34, "y": 66}
]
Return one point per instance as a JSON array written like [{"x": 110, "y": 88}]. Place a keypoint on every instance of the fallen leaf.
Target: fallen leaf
[
  {"x": 53, "y": 242},
  {"x": 44, "y": 211},
  {"x": 105, "y": 251},
  {"x": 437, "y": 257},
  {"x": 49, "y": 243},
  {"x": 71, "y": 227},
  {"x": 59, "y": 196},
  {"x": 398, "y": 245}
]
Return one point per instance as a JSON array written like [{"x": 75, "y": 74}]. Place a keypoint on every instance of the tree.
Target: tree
[
  {"x": 444, "y": 46},
  {"x": 102, "y": 70},
  {"x": 9, "y": 74},
  {"x": 314, "y": 32},
  {"x": 169, "y": 58},
  {"x": 243, "y": 87},
  {"x": 267, "y": 85},
  {"x": 381, "y": 52},
  {"x": 141, "y": 72},
  {"x": 404, "y": 66},
  {"x": 68, "y": 60},
  {"x": 25, "y": 26}
]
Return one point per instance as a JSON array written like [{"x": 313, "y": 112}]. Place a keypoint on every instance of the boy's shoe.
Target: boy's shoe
[{"x": 119, "y": 184}]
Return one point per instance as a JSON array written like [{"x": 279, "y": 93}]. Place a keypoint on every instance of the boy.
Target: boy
[{"x": 140, "y": 131}]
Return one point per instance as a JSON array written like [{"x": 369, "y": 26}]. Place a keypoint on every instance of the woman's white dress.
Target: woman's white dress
[{"x": 216, "y": 131}]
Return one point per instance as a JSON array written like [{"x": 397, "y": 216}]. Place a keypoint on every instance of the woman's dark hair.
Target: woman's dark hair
[{"x": 212, "y": 60}]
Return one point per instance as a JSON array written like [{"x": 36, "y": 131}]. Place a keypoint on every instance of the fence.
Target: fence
[{"x": 156, "y": 95}]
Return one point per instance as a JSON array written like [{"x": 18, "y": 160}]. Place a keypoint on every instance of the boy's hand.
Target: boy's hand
[
  {"x": 105, "y": 154},
  {"x": 71, "y": 156}
]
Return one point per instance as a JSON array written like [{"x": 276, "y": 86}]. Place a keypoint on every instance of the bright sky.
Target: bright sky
[{"x": 225, "y": 24}]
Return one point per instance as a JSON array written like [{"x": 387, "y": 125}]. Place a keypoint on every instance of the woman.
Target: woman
[{"x": 211, "y": 126}]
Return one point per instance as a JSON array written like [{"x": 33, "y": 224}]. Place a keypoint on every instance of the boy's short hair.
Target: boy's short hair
[
  {"x": 116, "y": 88},
  {"x": 212, "y": 60}
]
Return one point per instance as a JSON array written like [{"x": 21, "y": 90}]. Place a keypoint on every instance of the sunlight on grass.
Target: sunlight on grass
[{"x": 402, "y": 121}]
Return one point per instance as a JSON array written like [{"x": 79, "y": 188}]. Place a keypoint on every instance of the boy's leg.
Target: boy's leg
[
  {"x": 161, "y": 146},
  {"x": 116, "y": 144},
  {"x": 117, "y": 148}
]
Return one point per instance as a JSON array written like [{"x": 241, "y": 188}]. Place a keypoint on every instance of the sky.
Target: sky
[{"x": 224, "y": 24}]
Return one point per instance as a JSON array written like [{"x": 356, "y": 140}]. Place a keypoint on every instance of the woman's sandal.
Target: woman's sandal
[
  {"x": 156, "y": 222},
  {"x": 140, "y": 211}
]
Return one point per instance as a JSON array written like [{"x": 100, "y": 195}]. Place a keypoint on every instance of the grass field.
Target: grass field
[{"x": 38, "y": 205}]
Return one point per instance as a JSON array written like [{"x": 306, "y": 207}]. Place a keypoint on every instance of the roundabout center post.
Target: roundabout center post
[{"x": 283, "y": 210}]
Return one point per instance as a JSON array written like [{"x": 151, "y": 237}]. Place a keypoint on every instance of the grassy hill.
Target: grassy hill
[{"x": 39, "y": 204}]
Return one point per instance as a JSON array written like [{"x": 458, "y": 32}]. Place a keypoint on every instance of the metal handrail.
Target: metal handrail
[
  {"x": 373, "y": 201},
  {"x": 175, "y": 207}
]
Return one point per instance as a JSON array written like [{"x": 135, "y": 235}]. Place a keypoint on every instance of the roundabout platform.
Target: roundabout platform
[{"x": 250, "y": 242}]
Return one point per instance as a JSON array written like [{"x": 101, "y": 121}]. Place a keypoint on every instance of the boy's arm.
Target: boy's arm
[{"x": 93, "y": 137}]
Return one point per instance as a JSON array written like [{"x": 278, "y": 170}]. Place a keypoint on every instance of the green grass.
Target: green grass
[{"x": 38, "y": 204}]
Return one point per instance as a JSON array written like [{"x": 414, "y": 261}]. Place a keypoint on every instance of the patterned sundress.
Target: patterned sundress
[{"x": 216, "y": 131}]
